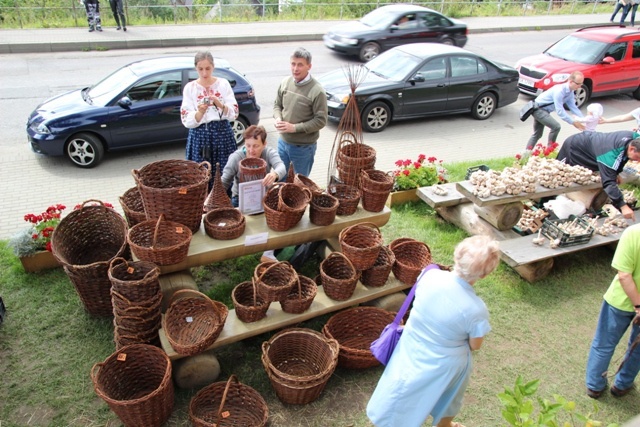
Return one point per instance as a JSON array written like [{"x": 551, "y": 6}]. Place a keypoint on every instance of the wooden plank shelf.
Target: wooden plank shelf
[
  {"x": 235, "y": 330},
  {"x": 452, "y": 198},
  {"x": 466, "y": 188}
]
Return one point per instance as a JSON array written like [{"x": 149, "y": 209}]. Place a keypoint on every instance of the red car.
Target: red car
[{"x": 607, "y": 55}]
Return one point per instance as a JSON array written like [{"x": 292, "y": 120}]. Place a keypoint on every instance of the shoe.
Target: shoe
[
  {"x": 268, "y": 256},
  {"x": 99, "y": 29},
  {"x": 620, "y": 392},
  {"x": 119, "y": 28},
  {"x": 594, "y": 394},
  {"x": 124, "y": 28},
  {"x": 91, "y": 29}
]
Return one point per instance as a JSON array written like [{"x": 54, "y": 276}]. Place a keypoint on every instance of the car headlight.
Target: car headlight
[
  {"x": 347, "y": 40},
  {"x": 340, "y": 98},
  {"x": 559, "y": 78},
  {"x": 40, "y": 128}
]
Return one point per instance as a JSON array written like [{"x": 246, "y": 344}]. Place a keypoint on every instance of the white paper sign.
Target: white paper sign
[
  {"x": 250, "y": 195},
  {"x": 256, "y": 239}
]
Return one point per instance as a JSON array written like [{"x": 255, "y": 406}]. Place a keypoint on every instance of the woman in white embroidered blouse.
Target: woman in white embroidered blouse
[{"x": 208, "y": 105}]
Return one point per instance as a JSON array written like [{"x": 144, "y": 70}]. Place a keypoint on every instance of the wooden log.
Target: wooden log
[
  {"x": 196, "y": 371},
  {"x": 591, "y": 199},
  {"x": 502, "y": 217},
  {"x": 464, "y": 216},
  {"x": 535, "y": 271},
  {"x": 170, "y": 283}
]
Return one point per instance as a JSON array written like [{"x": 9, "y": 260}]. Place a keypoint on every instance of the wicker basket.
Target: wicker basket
[
  {"x": 348, "y": 196},
  {"x": 134, "y": 280},
  {"x": 193, "y": 321},
  {"x": 84, "y": 243},
  {"x": 378, "y": 274},
  {"x": 251, "y": 169},
  {"x": 125, "y": 307},
  {"x": 323, "y": 209},
  {"x": 160, "y": 241},
  {"x": 224, "y": 223},
  {"x": 357, "y": 155},
  {"x": 299, "y": 363},
  {"x": 355, "y": 329},
  {"x": 279, "y": 220},
  {"x": 274, "y": 280},
  {"x": 132, "y": 206},
  {"x": 361, "y": 243},
  {"x": 175, "y": 188},
  {"x": 399, "y": 240},
  {"x": 291, "y": 174},
  {"x": 411, "y": 257},
  {"x": 135, "y": 381},
  {"x": 293, "y": 198},
  {"x": 376, "y": 180},
  {"x": 304, "y": 181},
  {"x": 228, "y": 403},
  {"x": 218, "y": 197},
  {"x": 249, "y": 306},
  {"x": 301, "y": 296},
  {"x": 374, "y": 201},
  {"x": 339, "y": 276}
]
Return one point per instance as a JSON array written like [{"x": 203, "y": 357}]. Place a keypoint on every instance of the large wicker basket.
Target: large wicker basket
[
  {"x": 84, "y": 243},
  {"x": 224, "y": 223},
  {"x": 361, "y": 243},
  {"x": 249, "y": 306},
  {"x": 338, "y": 276},
  {"x": 132, "y": 206},
  {"x": 193, "y": 321},
  {"x": 228, "y": 403},
  {"x": 299, "y": 363},
  {"x": 355, "y": 329},
  {"x": 301, "y": 296},
  {"x": 160, "y": 241},
  {"x": 175, "y": 188},
  {"x": 411, "y": 257},
  {"x": 135, "y": 381}
]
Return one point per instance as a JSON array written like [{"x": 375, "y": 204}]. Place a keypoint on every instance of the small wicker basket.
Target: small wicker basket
[
  {"x": 323, "y": 209},
  {"x": 339, "y": 276},
  {"x": 301, "y": 296},
  {"x": 411, "y": 257},
  {"x": 348, "y": 196},
  {"x": 377, "y": 275},
  {"x": 274, "y": 280},
  {"x": 132, "y": 206},
  {"x": 249, "y": 306},
  {"x": 361, "y": 243},
  {"x": 159, "y": 241},
  {"x": 224, "y": 223}
]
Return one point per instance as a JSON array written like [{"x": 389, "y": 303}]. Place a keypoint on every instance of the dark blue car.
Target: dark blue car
[{"x": 136, "y": 106}]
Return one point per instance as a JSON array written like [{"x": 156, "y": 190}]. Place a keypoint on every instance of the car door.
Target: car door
[
  {"x": 407, "y": 29},
  {"x": 427, "y": 88},
  {"x": 616, "y": 76},
  {"x": 433, "y": 27},
  {"x": 149, "y": 112},
  {"x": 468, "y": 77}
]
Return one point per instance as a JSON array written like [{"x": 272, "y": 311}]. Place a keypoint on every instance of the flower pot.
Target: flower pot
[
  {"x": 42, "y": 260},
  {"x": 403, "y": 196}
]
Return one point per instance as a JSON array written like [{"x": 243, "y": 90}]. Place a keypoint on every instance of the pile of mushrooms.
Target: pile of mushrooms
[
  {"x": 552, "y": 173},
  {"x": 531, "y": 219},
  {"x": 511, "y": 181}
]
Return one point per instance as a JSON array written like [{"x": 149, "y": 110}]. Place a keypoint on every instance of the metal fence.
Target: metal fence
[{"x": 68, "y": 13}]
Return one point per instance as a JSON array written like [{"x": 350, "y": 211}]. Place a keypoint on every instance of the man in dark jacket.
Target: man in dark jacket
[{"x": 606, "y": 153}]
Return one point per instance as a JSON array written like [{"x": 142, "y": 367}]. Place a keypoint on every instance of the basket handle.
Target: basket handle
[
  {"x": 341, "y": 255},
  {"x": 345, "y": 133},
  {"x": 255, "y": 296},
  {"x": 94, "y": 373},
  {"x": 224, "y": 396},
  {"x": 155, "y": 233},
  {"x": 365, "y": 224},
  {"x": 136, "y": 175},
  {"x": 182, "y": 293},
  {"x": 119, "y": 260},
  {"x": 82, "y": 206}
]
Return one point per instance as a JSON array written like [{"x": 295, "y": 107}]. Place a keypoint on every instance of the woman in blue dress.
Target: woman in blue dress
[{"x": 429, "y": 370}]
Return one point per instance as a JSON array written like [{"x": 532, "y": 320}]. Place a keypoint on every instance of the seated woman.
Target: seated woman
[{"x": 255, "y": 145}]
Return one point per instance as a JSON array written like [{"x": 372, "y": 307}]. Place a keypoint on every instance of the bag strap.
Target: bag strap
[{"x": 409, "y": 298}]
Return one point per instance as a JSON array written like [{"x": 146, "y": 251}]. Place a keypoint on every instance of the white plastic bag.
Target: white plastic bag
[{"x": 563, "y": 207}]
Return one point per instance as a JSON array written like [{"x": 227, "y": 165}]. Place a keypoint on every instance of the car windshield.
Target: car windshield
[
  {"x": 103, "y": 92},
  {"x": 379, "y": 19},
  {"x": 393, "y": 64},
  {"x": 577, "y": 49}
]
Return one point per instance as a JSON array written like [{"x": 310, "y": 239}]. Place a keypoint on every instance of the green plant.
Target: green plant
[
  {"x": 410, "y": 174},
  {"x": 549, "y": 152},
  {"x": 518, "y": 408},
  {"x": 38, "y": 236}
]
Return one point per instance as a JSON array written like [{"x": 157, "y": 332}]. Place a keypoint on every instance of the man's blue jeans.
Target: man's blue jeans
[
  {"x": 301, "y": 155},
  {"x": 612, "y": 324}
]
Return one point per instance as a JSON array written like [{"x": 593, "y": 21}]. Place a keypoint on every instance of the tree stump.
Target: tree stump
[
  {"x": 502, "y": 217},
  {"x": 196, "y": 371}
]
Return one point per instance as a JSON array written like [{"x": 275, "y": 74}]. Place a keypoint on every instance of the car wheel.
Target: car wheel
[
  {"x": 582, "y": 95},
  {"x": 376, "y": 116},
  {"x": 448, "y": 42},
  {"x": 484, "y": 106},
  {"x": 238, "y": 126},
  {"x": 84, "y": 150},
  {"x": 369, "y": 51},
  {"x": 636, "y": 93}
]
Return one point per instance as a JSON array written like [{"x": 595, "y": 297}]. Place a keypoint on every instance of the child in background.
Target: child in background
[{"x": 592, "y": 118}]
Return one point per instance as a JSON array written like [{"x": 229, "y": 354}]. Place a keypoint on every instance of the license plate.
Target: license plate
[{"x": 525, "y": 82}]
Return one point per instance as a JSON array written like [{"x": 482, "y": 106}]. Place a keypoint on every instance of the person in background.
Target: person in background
[
  {"x": 620, "y": 308},
  {"x": 118, "y": 14},
  {"x": 208, "y": 105},
  {"x": 554, "y": 99},
  {"x": 430, "y": 367},
  {"x": 92, "y": 7},
  {"x": 300, "y": 110},
  {"x": 633, "y": 7},
  {"x": 255, "y": 145},
  {"x": 607, "y": 154},
  {"x": 633, "y": 115},
  {"x": 620, "y": 4},
  {"x": 591, "y": 120}
]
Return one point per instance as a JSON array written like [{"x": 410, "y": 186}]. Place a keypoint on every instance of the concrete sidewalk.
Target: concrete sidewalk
[{"x": 78, "y": 39}]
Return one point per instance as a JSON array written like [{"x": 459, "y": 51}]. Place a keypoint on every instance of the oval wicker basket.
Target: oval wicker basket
[
  {"x": 348, "y": 197},
  {"x": 251, "y": 169},
  {"x": 193, "y": 321},
  {"x": 224, "y": 223},
  {"x": 378, "y": 274},
  {"x": 411, "y": 257},
  {"x": 376, "y": 180},
  {"x": 294, "y": 198},
  {"x": 361, "y": 243},
  {"x": 279, "y": 220},
  {"x": 135, "y": 381},
  {"x": 339, "y": 276},
  {"x": 160, "y": 241},
  {"x": 132, "y": 206},
  {"x": 249, "y": 306},
  {"x": 301, "y": 296},
  {"x": 228, "y": 403},
  {"x": 274, "y": 280},
  {"x": 355, "y": 329},
  {"x": 323, "y": 209}
]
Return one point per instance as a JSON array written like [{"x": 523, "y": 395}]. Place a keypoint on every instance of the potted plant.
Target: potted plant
[{"x": 410, "y": 175}]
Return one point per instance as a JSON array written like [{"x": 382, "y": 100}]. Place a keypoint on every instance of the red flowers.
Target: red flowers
[
  {"x": 413, "y": 174},
  {"x": 550, "y": 151},
  {"x": 44, "y": 224}
]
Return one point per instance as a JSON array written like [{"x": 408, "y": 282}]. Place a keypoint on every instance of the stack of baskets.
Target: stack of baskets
[
  {"x": 355, "y": 329},
  {"x": 135, "y": 381},
  {"x": 376, "y": 186},
  {"x": 252, "y": 169},
  {"x": 228, "y": 403},
  {"x": 160, "y": 241},
  {"x": 361, "y": 243},
  {"x": 193, "y": 321},
  {"x": 84, "y": 243},
  {"x": 137, "y": 302},
  {"x": 411, "y": 257},
  {"x": 132, "y": 206},
  {"x": 174, "y": 188},
  {"x": 338, "y": 276},
  {"x": 284, "y": 206},
  {"x": 299, "y": 363},
  {"x": 354, "y": 157}
]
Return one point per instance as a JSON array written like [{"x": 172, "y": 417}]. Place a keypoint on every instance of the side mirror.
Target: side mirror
[
  {"x": 394, "y": 27},
  {"x": 418, "y": 78},
  {"x": 125, "y": 102},
  {"x": 608, "y": 60}
]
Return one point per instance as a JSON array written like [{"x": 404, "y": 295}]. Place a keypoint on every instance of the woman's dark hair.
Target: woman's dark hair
[
  {"x": 256, "y": 132},
  {"x": 203, "y": 55}
]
